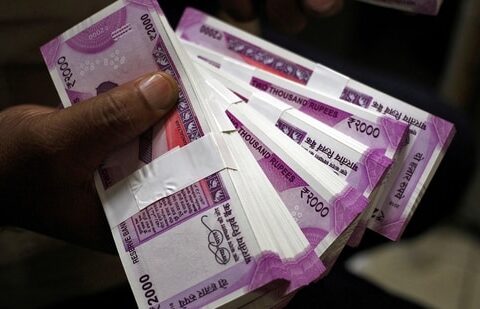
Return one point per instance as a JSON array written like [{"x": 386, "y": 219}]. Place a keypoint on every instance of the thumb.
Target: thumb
[{"x": 96, "y": 127}]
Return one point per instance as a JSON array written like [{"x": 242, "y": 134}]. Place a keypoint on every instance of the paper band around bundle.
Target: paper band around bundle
[{"x": 166, "y": 175}]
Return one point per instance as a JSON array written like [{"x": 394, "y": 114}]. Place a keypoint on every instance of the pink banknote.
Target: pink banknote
[
  {"x": 216, "y": 252},
  {"x": 322, "y": 219},
  {"x": 429, "y": 135}
]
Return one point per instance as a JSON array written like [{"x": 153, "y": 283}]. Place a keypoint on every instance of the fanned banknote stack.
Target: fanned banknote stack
[{"x": 269, "y": 165}]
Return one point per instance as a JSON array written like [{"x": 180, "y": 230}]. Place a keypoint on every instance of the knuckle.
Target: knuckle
[
  {"x": 30, "y": 138},
  {"x": 115, "y": 114}
]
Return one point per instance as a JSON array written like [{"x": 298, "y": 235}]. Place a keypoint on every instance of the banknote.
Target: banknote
[
  {"x": 361, "y": 166},
  {"x": 428, "y": 7},
  {"x": 174, "y": 197},
  {"x": 384, "y": 135},
  {"x": 429, "y": 136},
  {"x": 381, "y": 132},
  {"x": 322, "y": 204},
  {"x": 429, "y": 139}
]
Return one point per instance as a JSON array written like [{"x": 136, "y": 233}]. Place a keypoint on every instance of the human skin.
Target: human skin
[{"x": 48, "y": 157}]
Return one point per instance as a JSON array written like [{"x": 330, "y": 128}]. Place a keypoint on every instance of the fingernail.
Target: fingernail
[{"x": 159, "y": 90}]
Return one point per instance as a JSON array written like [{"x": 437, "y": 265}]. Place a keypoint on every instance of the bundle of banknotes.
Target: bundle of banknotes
[{"x": 268, "y": 166}]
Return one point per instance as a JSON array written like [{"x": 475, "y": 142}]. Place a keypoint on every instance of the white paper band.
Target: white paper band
[
  {"x": 269, "y": 107},
  {"x": 238, "y": 69},
  {"x": 169, "y": 173},
  {"x": 328, "y": 80}
]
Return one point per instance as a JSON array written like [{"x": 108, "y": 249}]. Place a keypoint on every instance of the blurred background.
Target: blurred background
[{"x": 431, "y": 62}]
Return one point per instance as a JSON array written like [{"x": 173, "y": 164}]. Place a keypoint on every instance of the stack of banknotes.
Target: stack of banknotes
[{"x": 269, "y": 165}]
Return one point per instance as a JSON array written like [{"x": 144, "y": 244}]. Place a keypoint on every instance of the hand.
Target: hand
[
  {"x": 48, "y": 157},
  {"x": 286, "y": 15}
]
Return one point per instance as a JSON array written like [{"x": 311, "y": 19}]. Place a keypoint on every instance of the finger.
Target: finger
[
  {"x": 285, "y": 15},
  {"x": 241, "y": 10},
  {"x": 323, "y": 7},
  {"x": 96, "y": 127}
]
